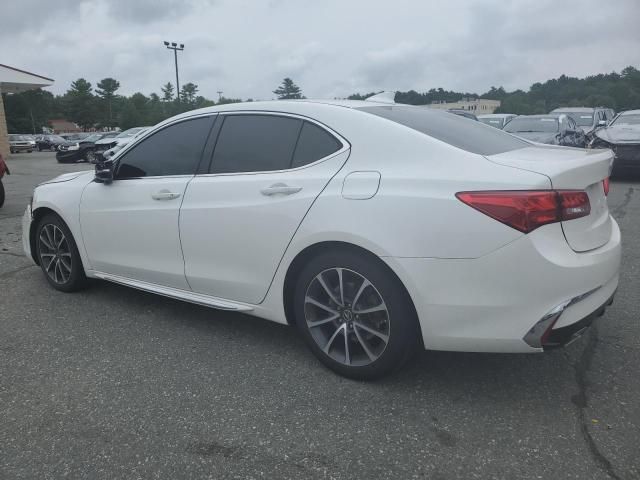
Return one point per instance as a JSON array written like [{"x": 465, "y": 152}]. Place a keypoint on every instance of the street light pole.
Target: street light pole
[{"x": 174, "y": 46}]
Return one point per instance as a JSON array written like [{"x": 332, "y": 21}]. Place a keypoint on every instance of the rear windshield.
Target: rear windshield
[{"x": 455, "y": 130}]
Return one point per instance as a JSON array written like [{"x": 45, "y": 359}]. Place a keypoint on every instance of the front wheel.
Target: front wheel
[
  {"x": 90, "y": 156},
  {"x": 58, "y": 255},
  {"x": 355, "y": 315}
]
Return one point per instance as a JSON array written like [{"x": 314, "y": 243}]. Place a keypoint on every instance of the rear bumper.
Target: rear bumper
[{"x": 491, "y": 303}]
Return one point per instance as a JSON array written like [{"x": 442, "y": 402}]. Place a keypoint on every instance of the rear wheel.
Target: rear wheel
[
  {"x": 355, "y": 315},
  {"x": 58, "y": 255}
]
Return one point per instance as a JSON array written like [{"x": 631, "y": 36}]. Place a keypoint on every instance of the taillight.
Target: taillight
[
  {"x": 526, "y": 210},
  {"x": 605, "y": 186}
]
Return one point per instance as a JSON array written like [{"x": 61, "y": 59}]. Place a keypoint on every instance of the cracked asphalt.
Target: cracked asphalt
[{"x": 115, "y": 383}]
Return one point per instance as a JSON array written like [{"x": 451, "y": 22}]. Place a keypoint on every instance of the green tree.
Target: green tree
[
  {"x": 188, "y": 94},
  {"x": 288, "y": 90},
  {"x": 80, "y": 106},
  {"x": 106, "y": 90},
  {"x": 167, "y": 92}
]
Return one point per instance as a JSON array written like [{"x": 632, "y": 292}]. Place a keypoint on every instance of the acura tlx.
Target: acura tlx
[{"x": 374, "y": 228}]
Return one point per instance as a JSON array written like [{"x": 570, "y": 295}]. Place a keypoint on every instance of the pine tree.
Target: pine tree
[{"x": 288, "y": 90}]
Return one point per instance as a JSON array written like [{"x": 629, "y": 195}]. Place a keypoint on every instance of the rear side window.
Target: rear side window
[
  {"x": 174, "y": 150},
  {"x": 255, "y": 143},
  {"x": 455, "y": 130},
  {"x": 314, "y": 143}
]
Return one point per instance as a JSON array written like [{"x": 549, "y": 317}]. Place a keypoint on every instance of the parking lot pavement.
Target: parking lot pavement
[{"x": 115, "y": 383}]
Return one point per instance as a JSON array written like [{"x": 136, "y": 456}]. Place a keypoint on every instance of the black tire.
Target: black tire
[
  {"x": 89, "y": 156},
  {"x": 76, "y": 278},
  {"x": 1, "y": 193},
  {"x": 402, "y": 328}
]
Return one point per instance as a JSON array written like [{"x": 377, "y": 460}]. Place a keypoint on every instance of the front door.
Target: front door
[{"x": 130, "y": 227}]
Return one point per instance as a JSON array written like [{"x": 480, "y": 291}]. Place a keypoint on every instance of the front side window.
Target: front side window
[{"x": 174, "y": 150}]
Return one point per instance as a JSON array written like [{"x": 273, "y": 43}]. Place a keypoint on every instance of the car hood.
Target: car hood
[
  {"x": 108, "y": 140},
  {"x": 620, "y": 134},
  {"x": 66, "y": 177},
  {"x": 540, "y": 137}
]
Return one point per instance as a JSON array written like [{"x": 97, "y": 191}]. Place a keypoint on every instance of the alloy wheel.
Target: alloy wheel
[
  {"x": 55, "y": 254},
  {"x": 90, "y": 156},
  {"x": 347, "y": 317}
]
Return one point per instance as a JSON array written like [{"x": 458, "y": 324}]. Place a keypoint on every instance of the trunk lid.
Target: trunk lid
[{"x": 571, "y": 169}]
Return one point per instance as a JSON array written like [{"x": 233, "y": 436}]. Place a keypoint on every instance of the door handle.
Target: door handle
[
  {"x": 280, "y": 189},
  {"x": 165, "y": 195}
]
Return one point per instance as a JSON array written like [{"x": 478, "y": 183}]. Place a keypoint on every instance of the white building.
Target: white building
[
  {"x": 13, "y": 80},
  {"x": 477, "y": 106}
]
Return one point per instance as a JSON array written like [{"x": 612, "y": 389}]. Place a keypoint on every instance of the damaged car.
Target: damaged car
[
  {"x": 622, "y": 136},
  {"x": 553, "y": 129}
]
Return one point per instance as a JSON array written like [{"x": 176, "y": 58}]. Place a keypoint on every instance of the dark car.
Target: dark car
[
  {"x": 49, "y": 142},
  {"x": 20, "y": 143},
  {"x": 623, "y": 137},
  {"x": 82, "y": 150},
  {"x": 553, "y": 129},
  {"x": 463, "y": 113}
]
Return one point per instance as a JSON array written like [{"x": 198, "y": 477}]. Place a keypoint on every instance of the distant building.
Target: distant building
[
  {"x": 477, "y": 106},
  {"x": 60, "y": 125},
  {"x": 14, "y": 80}
]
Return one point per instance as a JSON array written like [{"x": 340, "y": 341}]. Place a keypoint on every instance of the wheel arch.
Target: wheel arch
[
  {"x": 309, "y": 252},
  {"x": 37, "y": 214}
]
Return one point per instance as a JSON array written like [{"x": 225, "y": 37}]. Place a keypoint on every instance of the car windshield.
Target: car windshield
[
  {"x": 494, "y": 122},
  {"x": 527, "y": 124},
  {"x": 628, "y": 119},
  {"x": 130, "y": 133},
  {"x": 93, "y": 138},
  {"x": 55, "y": 138},
  {"x": 583, "y": 119},
  {"x": 17, "y": 138},
  {"x": 452, "y": 129}
]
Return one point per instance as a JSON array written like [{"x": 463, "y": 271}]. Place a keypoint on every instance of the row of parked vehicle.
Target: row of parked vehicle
[
  {"x": 75, "y": 147},
  {"x": 579, "y": 127}
]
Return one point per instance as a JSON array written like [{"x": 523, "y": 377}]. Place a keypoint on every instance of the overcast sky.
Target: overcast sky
[{"x": 331, "y": 48}]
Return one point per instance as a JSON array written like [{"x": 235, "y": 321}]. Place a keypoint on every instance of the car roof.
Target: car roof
[
  {"x": 634, "y": 112},
  {"x": 575, "y": 109},
  {"x": 545, "y": 115},
  {"x": 497, "y": 115}
]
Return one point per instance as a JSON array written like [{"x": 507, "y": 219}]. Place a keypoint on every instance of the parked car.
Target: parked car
[
  {"x": 498, "y": 120},
  {"x": 587, "y": 118},
  {"x": 623, "y": 137},
  {"x": 118, "y": 141},
  {"x": 81, "y": 150},
  {"x": 4, "y": 169},
  {"x": 294, "y": 213},
  {"x": 462, "y": 113},
  {"x": 554, "y": 129},
  {"x": 19, "y": 143},
  {"x": 49, "y": 142},
  {"x": 30, "y": 138},
  {"x": 75, "y": 136}
]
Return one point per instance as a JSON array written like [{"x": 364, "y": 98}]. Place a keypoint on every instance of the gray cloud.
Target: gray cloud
[{"x": 330, "y": 48}]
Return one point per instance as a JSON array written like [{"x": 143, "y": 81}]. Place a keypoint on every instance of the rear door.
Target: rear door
[{"x": 238, "y": 218}]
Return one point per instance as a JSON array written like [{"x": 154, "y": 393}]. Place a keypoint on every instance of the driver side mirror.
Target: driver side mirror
[{"x": 104, "y": 172}]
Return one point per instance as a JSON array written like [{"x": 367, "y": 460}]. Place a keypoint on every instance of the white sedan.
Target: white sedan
[{"x": 375, "y": 228}]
